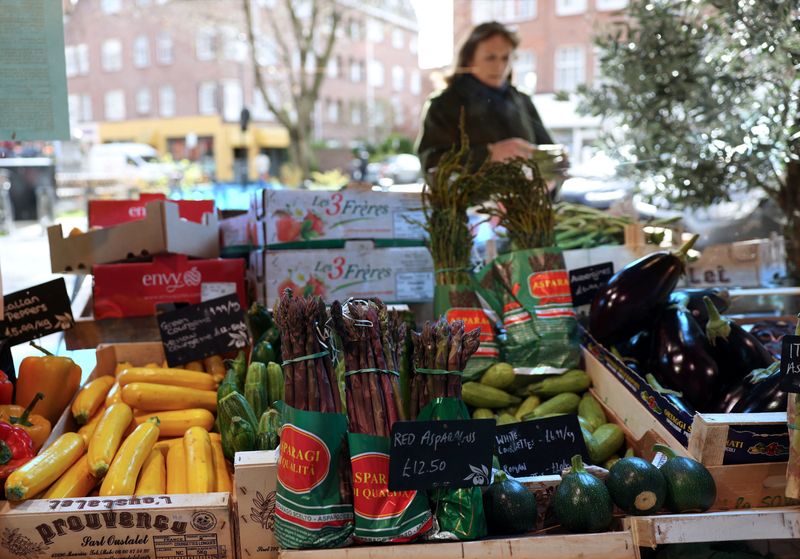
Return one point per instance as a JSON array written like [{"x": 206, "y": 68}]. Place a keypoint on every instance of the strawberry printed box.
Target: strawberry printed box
[
  {"x": 306, "y": 218},
  {"x": 134, "y": 289},
  {"x": 359, "y": 269}
]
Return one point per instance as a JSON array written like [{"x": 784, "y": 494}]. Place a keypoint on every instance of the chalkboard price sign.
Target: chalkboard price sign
[
  {"x": 584, "y": 282},
  {"x": 790, "y": 364},
  {"x": 447, "y": 453},
  {"x": 197, "y": 331},
  {"x": 36, "y": 312},
  {"x": 540, "y": 447}
]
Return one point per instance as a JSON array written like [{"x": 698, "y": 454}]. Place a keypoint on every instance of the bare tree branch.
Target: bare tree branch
[{"x": 322, "y": 61}]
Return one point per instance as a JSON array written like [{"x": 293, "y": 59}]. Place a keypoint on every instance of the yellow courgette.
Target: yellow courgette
[
  {"x": 222, "y": 479},
  {"x": 195, "y": 366},
  {"x": 114, "y": 395},
  {"x": 107, "y": 437},
  {"x": 176, "y": 469},
  {"x": 165, "y": 444},
  {"x": 153, "y": 479},
  {"x": 78, "y": 481},
  {"x": 175, "y": 423},
  {"x": 199, "y": 461},
  {"x": 172, "y": 377},
  {"x": 121, "y": 476},
  {"x": 121, "y": 367},
  {"x": 215, "y": 367},
  {"x": 90, "y": 398},
  {"x": 34, "y": 476},
  {"x": 161, "y": 397},
  {"x": 86, "y": 431}
]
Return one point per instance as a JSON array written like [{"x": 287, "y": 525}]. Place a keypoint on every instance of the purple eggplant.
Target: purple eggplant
[
  {"x": 763, "y": 393},
  {"x": 692, "y": 299},
  {"x": 630, "y": 300},
  {"x": 681, "y": 359},
  {"x": 736, "y": 350},
  {"x": 673, "y": 397},
  {"x": 757, "y": 382}
]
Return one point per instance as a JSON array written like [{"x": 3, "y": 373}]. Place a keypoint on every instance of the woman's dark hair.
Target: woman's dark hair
[{"x": 478, "y": 35}]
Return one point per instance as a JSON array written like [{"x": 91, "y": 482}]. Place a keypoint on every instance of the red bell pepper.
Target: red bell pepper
[
  {"x": 6, "y": 389},
  {"x": 16, "y": 448}
]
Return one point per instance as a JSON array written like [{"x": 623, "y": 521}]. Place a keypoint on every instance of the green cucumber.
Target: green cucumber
[
  {"x": 690, "y": 486},
  {"x": 636, "y": 486},
  {"x": 581, "y": 502}
]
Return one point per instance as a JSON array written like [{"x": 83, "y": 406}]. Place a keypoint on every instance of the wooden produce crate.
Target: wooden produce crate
[
  {"x": 162, "y": 230},
  {"x": 713, "y": 439}
]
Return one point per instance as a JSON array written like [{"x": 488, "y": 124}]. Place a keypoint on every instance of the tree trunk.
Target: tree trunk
[
  {"x": 300, "y": 148},
  {"x": 790, "y": 204}
]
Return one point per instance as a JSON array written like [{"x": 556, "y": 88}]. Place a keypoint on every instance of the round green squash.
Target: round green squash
[
  {"x": 509, "y": 506},
  {"x": 690, "y": 487},
  {"x": 582, "y": 502},
  {"x": 636, "y": 486}
]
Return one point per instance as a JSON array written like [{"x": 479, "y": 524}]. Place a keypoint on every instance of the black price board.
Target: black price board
[
  {"x": 539, "y": 447},
  {"x": 790, "y": 364},
  {"x": 36, "y": 312},
  {"x": 197, "y": 331},
  {"x": 584, "y": 282},
  {"x": 446, "y": 453}
]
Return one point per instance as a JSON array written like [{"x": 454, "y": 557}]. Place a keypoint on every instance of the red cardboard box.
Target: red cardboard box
[
  {"x": 134, "y": 289},
  {"x": 107, "y": 213}
]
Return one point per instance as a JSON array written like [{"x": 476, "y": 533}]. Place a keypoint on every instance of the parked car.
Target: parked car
[
  {"x": 128, "y": 160},
  {"x": 403, "y": 168}
]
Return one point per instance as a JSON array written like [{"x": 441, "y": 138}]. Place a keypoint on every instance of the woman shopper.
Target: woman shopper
[{"x": 501, "y": 121}]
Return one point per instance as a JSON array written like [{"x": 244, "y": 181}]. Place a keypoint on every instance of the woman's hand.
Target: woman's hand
[{"x": 509, "y": 149}]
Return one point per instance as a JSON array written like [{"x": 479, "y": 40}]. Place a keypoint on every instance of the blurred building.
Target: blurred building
[
  {"x": 556, "y": 55},
  {"x": 176, "y": 74}
]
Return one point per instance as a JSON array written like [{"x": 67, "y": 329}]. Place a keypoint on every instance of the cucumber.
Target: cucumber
[
  {"x": 636, "y": 486},
  {"x": 591, "y": 410},
  {"x": 499, "y": 375},
  {"x": 563, "y": 403},
  {"x": 690, "y": 487},
  {"x": 604, "y": 442},
  {"x": 509, "y": 506},
  {"x": 581, "y": 502},
  {"x": 575, "y": 381}
]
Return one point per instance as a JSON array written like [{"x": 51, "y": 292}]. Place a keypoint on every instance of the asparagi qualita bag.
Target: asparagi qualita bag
[{"x": 314, "y": 507}]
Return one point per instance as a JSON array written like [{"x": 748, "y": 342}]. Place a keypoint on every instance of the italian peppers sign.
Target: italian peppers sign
[{"x": 35, "y": 312}]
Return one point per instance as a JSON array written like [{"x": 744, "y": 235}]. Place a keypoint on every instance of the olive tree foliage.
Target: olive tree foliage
[{"x": 705, "y": 100}]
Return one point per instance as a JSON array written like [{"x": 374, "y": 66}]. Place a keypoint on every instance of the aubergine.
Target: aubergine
[
  {"x": 692, "y": 299},
  {"x": 673, "y": 397},
  {"x": 636, "y": 348},
  {"x": 764, "y": 393},
  {"x": 627, "y": 304},
  {"x": 681, "y": 359},
  {"x": 737, "y": 351}
]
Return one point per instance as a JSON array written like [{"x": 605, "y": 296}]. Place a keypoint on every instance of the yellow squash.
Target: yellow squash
[
  {"x": 107, "y": 437},
  {"x": 160, "y": 397},
  {"x": 175, "y": 423},
  {"x": 114, "y": 395},
  {"x": 86, "y": 431},
  {"x": 153, "y": 479},
  {"x": 121, "y": 367},
  {"x": 90, "y": 398},
  {"x": 121, "y": 476},
  {"x": 222, "y": 478},
  {"x": 165, "y": 444},
  {"x": 215, "y": 367},
  {"x": 78, "y": 481},
  {"x": 176, "y": 469},
  {"x": 199, "y": 461},
  {"x": 195, "y": 366},
  {"x": 36, "y": 475},
  {"x": 173, "y": 377}
]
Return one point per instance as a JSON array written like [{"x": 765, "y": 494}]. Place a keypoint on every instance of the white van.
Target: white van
[{"x": 127, "y": 160}]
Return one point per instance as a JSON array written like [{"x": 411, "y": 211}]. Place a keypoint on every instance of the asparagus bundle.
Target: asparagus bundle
[
  {"x": 441, "y": 346},
  {"x": 309, "y": 376},
  {"x": 373, "y": 341}
]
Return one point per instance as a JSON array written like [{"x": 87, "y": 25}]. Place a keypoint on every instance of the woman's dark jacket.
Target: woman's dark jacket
[{"x": 491, "y": 115}]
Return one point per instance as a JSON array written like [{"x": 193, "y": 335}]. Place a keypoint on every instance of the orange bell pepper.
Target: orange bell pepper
[
  {"x": 35, "y": 425},
  {"x": 58, "y": 378}
]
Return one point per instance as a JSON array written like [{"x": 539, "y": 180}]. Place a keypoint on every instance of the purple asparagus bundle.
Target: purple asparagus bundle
[{"x": 440, "y": 347}]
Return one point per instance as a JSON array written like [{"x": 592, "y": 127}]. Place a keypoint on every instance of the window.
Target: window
[
  {"x": 71, "y": 60},
  {"x": 333, "y": 110},
  {"x": 332, "y": 69},
  {"x": 412, "y": 45},
  {"x": 354, "y": 30},
  {"x": 397, "y": 112},
  {"x": 164, "y": 48},
  {"x": 415, "y": 82},
  {"x": 570, "y": 65},
  {"x": 111, "y": 55},
  {"x": 374, "y": 31},
  {"x": 86, "y": 108},
  {"x": 356, "y": 73},
  {"x": 355, "y": 113},
  {"x": 232, "y": 101},
  {"x": 144, "y": 102},
  {"x": 524, "y": 70},
  {"x": 74, "y": 107},
  {"x": 260, "y": 109},
  {"x": 379, "y": 114},
  {"x": 398, "y": 38},
  {"x": 527, "y": 9},
  {"x": 398, "y": 78},
  {"x": 375, "y": 73},
  {"x": 111, "y": 6},
  {"x": 492, "y": 10},
  {"x": 207, "y": 98},
  {"x": 82, "y": 56},
  {"x": 570, "y": 7},
  {"x": 205, "y": 44},
  {"x": 166, "y": 100},
  {"x": 611, "y": 4},
  {"x": 141, "y": 51},
  {"x": 115, "y": 105}
]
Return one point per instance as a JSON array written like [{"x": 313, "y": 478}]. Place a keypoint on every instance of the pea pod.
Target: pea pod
[
  {"x": 591, "y": 410},
  {"x": 572, "y": 381},
  {"x": 563, "y": 403}
]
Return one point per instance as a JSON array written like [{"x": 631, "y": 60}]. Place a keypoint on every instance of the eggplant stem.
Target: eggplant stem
[
  {"x": 651, "y": 380},
  {"x": 717, "y": 326},
  {"x": 665, "y": 450},
  {"x": 687, "y": 246}
]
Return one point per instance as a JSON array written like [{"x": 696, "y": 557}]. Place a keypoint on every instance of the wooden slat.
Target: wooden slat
[
  {"x": 771, "y": 418},
  {"x": 762, "y": 524}
]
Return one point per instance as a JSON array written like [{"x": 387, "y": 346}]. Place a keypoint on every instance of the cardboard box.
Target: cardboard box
[
  {"x": 154, "y": 527},
  {"x": 238, "y": 231},
  {"x": 107, "y": 213},
  {"x": 396, "y": 275},
  {"x": 757, "y": 263},
  {"x": 134, "y": 289},
  {"x": 162, "y": 230},
  {"x": 255, "y": 483},
  {"x": 297, "y": 216}
]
